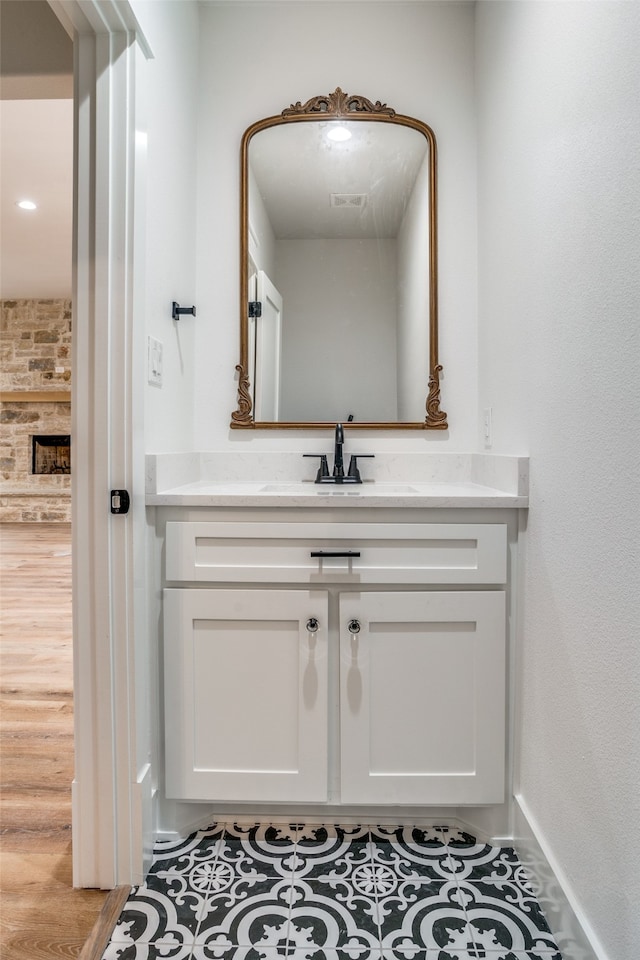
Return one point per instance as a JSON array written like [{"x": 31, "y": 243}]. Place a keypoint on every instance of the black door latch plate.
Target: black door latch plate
[{"x": 120, "y": 501}]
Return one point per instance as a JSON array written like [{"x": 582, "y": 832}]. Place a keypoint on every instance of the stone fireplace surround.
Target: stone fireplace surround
[{"x": 35, "y": 384}]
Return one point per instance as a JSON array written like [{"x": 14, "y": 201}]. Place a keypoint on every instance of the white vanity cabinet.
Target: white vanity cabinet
[{"x": 393, "y": 634}]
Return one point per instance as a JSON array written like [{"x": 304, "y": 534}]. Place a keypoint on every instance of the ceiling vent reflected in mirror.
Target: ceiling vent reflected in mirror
[{"x": 351, "y": 200}]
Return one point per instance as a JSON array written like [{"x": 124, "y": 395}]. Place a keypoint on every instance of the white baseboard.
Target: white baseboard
[
  {"x": 143, "y": 842},
  {"x": 567, "y": 921}
]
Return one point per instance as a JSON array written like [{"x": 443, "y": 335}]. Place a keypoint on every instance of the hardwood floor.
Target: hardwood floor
[{"x": 42, "y": 916}]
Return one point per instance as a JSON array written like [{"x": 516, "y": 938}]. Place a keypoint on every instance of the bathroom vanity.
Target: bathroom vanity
[{"x": 334, "y": 647}]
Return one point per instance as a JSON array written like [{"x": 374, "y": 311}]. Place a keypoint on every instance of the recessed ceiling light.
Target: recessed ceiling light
[
  {"x": 26, "y": 204},
  {"x": 339, "y": 134}
]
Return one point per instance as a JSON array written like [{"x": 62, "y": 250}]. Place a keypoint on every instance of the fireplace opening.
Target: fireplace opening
[{"x": 51, "y": 453}]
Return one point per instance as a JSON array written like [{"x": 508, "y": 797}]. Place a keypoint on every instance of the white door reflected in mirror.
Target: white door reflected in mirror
[{"x": 268, "y": 349}]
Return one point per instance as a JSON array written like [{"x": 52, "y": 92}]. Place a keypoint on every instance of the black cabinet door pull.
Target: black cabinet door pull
[{"x": 335, "y": 553}]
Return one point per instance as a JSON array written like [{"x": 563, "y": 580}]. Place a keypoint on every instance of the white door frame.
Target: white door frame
[{"x": 108, "y": 826}]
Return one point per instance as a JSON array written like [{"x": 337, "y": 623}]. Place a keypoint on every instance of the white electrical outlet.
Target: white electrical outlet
[
  {"x": 487, "y": 427},
  {"x": 154, "y": 361}
]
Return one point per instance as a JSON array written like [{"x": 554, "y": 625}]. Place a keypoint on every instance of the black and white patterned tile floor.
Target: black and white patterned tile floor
[{"x": 324, "y": 892}]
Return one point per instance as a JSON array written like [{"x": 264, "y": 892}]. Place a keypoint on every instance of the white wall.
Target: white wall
[
  {"x": 559, "y": 310},
  {"x": 413, "y": 300},
  {"x": 171, "y": 80},
  {"x": 165, "y": 268},
  {"x": 262, "y": 241},
  {"x": 258, "y": 58},
  {"x": 329, "y": 370}
]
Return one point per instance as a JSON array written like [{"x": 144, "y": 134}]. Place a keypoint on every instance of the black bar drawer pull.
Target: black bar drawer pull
[{"x": 335, "y": 553}]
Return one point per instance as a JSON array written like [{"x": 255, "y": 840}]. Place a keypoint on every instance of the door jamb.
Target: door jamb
[{"x": 107, "y": 812}]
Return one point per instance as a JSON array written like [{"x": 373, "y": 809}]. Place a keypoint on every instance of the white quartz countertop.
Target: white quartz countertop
[
  {"x": 229, "y": 479},
  {"x": 236, "y": 493}
]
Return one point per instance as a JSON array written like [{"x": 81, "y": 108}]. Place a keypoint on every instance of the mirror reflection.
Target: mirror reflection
[{"x": 339, "y": 316}]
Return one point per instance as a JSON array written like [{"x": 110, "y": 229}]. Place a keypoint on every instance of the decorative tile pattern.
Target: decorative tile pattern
[{"x": 330, "y": 892}]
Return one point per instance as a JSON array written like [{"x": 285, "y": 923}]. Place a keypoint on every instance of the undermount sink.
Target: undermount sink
[
  {"x": 340, "y": 489},
  {"x": 287, "y": 487}
]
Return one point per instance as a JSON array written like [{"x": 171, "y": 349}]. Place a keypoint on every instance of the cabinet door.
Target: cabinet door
[
  {"x": 245, "y": 695},
  {"x": 423, "y": 697}
]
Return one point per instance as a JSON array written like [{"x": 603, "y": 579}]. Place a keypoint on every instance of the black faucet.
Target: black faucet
[
  {"x": 338, "y": 475},
  {"x": 338, "y": 463}
]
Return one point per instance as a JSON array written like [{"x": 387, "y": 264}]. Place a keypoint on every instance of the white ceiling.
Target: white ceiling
[
  {"x": 298, "y": 169},
  {"x": 36, "y": 163},
  {"x": 36, "y": 149}
]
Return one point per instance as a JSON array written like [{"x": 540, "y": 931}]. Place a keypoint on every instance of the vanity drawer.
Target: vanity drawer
[{"x": 411, "y": 553}]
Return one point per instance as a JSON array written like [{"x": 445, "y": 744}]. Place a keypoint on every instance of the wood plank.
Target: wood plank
[
  {"x": 42, "y": 824},
  {"x": 42, "y": 915},
  {"x": 101, "y": 933},
  {"x": 39, "y": 946}
]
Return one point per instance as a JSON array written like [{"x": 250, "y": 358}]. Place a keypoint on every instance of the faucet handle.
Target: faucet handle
[
  {"x": 323, "y": 470},
  {"x": 353, "y": 465}
]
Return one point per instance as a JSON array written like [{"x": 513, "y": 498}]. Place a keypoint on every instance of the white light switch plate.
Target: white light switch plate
[
  {"x": 154, "y": 361},
  {"x": 487, "y": 427}
]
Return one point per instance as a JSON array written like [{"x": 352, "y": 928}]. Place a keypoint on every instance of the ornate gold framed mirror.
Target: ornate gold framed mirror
[{"x": 339, "y": 269}]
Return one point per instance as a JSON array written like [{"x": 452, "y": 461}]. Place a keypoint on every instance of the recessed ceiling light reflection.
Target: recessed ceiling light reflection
[
  {"x": 339, "y": 134},
  {"x": 26, "y": 204}
]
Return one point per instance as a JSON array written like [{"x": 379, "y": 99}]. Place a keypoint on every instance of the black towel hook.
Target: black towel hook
[{"x": 177, "y": 311}]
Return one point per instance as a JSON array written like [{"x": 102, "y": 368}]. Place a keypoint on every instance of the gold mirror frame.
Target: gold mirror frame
[{"x": 338, "y": 105}]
